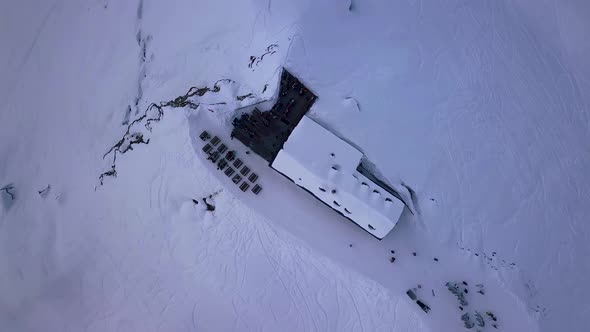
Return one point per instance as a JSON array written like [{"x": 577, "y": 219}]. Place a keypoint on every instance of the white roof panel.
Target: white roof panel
[
  {"x": 316, "y": 147},
  {"x": 306, "y": 158}
]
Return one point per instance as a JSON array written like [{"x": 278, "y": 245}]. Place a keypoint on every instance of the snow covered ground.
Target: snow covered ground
[{"x": 480, "y": 107}]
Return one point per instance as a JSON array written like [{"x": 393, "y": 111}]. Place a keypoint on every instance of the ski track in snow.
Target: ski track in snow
[{"x": 480, "y": 107}]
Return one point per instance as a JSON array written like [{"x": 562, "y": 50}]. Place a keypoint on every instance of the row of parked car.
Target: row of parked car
[{"x": 227, "y": 161}]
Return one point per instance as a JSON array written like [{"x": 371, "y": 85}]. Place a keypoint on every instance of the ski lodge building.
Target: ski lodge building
[{"x": 318, "y": 161}]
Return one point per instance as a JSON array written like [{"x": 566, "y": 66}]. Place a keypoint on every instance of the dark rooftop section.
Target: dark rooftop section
[{"x": 266, "y": 132}]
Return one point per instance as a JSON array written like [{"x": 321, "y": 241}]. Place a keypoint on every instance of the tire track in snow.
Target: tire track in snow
[
  {"x": 39, "y": 30},
  {"x": 273, "y": 263},
  {"x": 296, "y": 295}
]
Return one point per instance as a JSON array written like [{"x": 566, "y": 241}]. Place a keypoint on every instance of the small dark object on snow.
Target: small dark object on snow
[
  {"x": 480, "y": 289},
  {"x": 465, "y": 283},
  {"x": 249, "y": 95},
  {"x": 495, "y": 326},
  {"x": 350, "y": 245},
  {"x": 245, "y": 171},
  {"x": 214, "y": 156},
  {"x": 238, "y": 163},
  {"x": 476, "y": 254},
  {"x": 247, "y": 152},
  {"x": 432, "y": 292},
  {"x": 7, "y": 189},
  {"x": 492, "y": 316},
  {"x": 414, "y": 253},
  {"x": 411, "y": 294},
  {"x": 454, "y": 288},
  {"x": 436, "y": 259},
  {"x": 392, "y": 259},
  {"x": 423, "y": 306},
  {"x": 210, "y": 207},
  {"x": 244, "y": 186},
  {"x": 230, "y": 155},
  {"x": 466, "y": 291},
  {"x": 229, "y": 171},
  {"x": 204, "y": 135},
  {"x": 196, "y": 202},
  {"x": 252, "y": 178},
  {"x": 479, "y": 320},
  {"x": 256, "y": 189},
  {"x": 45, "y": 191},
  {"x": 460, "y": 307},
  {"x": 419, "y": 286},
  {"x": 221, "y": 164},
  {"x": 393, "y": 251},
  {"x": 333, "y": 191},
  {"x": 222, "y": 148},
  {"x": 467, "y": 322}
]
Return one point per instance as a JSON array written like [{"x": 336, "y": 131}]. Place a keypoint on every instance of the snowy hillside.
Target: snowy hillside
[{"x": 478, "y": 111}]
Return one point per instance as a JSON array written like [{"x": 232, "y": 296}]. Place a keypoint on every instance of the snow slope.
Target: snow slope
[
  {"x": 479, "y": 107},
  {"x": 138, "y": 255}
]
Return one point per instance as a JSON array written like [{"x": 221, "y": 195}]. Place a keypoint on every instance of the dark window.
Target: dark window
[
  {"x": 376, "y": 191},
  {"x": 345, "y": 209},
  {"x": 371, "y": 227},
  {"x": 388, "y": 199},
  {"x": 336, "y": 203},
  {"x": 322, "y": 189}
]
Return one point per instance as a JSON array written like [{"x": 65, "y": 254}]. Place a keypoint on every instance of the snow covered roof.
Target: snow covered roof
[{"x": 325, "y": 165}]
